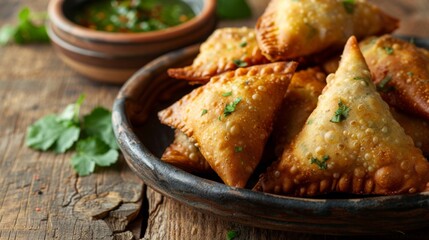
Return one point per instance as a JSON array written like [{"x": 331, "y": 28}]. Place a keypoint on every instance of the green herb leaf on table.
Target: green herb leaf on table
[
  {"x": 59, "y": 132},
  {"x": 233, "y": 9},
  {"x": 232, "y": 234},
  {"x": 90, "y": 152},
  {"x": 6, "y": 34},
  {"x": 99, "y": 124},
  {"x": 26, "y": 31},
  {"x": 50, "y": 132},
  {"x": 94, "y": 137}
]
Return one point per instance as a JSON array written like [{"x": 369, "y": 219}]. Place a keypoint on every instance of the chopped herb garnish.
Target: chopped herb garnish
[
  {"x": 230, "y": 108},
  {"x": 203, "y": 112},
  {"x": 364, "y": 79},
  {"x": 243, "y": 44},
  {"x": 410, "y": 74},
  {"x": 320, "y": 163},
  {"x": 389, "y": 50},
  {"x": 232, "y": 234},
  {"x": 382, "y": 85},
  {"x": 239, "y": 63},
  {"x": 349, "y": 6},
  {"x": 341, "y": 114},
  {"x": 227, "y": 94},
  {"x": 309, "y": 121},
  {"x": 238, "y": 149}
]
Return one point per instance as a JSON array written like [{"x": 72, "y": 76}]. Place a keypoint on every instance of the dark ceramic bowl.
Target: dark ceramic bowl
[
  {"x": 142, "y": 140},
  {"x": 114, "y": 57}
]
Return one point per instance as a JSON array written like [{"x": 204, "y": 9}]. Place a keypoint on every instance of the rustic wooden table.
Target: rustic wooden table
[{"x": 40, "y": 195}]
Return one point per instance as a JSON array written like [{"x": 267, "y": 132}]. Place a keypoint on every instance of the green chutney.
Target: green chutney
[{"x": 129, "y": 16}]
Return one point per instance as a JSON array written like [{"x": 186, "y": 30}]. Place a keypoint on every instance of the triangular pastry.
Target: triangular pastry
[
  {"x": 183, "y": 154},
  {"x": 226, "y": 49},
  {"x": 350, "y": 143},
  {"x": 300, "y": 100},
  {"x": 289, "y": 29},
  {"x": 415, "y": 127},
  {"x": 231, "y": 117},
  {"x": 401, "y": 73}
]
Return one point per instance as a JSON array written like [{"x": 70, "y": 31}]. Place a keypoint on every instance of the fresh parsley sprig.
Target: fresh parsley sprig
[{"x": 92, "y": 136}]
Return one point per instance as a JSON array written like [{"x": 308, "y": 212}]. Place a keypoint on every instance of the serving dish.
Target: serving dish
[
  {"x": 142, "y": 140},
  {"x": 114, "y": 56}
]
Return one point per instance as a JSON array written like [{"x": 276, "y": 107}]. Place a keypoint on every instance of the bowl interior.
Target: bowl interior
[
  {"x": 142, "y": 139},
  {"x": 61, "y": 12},
  {"x": 70, "y": 7}
]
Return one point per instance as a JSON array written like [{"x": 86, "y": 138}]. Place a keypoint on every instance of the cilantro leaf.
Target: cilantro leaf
[
  {"x": 230, "y": 107},
  {"x": 232, "y": 234},
  {"x": 227, "y": 94},
  {"x": 99, "y": 124},
  {"x": 90, "y": 152},
  {"x": 389, "y": 50},
  {"x": 26, "y": 31},
  {"x": 239, "y": 63},
  {"x": 50, "y": 132},
  {"x": 233, "y": 9},
  {"x": 67, "y": 138},
  {"x": 341, "y": 114},
  {"x": 71, "y": 112},
  {"x": 383, "y": 85},
  {"x": 7, "y": 33},
  {"x": 320, "y": 163},
  {"x": 238, "y": 149},
  {"x": 59, "y": 132}
]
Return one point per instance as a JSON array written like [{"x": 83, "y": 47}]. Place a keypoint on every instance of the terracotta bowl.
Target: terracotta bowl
[
  {"x": 142, "y": 139},
  {"x": 114, "y": 57}
]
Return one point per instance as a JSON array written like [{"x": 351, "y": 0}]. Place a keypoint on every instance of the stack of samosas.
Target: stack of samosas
[{"x": 358, "y": 125}]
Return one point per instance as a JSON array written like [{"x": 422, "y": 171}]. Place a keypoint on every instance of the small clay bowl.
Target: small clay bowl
[
  {"x": 114, "y": 57},
  {"x": 142, "y": 139}
]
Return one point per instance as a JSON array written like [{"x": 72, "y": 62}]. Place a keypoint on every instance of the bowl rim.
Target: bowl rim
[
  {"x": 57, "y": 17},
  {"x": 182, "y": 186}
]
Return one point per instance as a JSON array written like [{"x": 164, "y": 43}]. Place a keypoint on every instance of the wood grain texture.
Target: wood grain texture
[{"x": 39, "y": 191}]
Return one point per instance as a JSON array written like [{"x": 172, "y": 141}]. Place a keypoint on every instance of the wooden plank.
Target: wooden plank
[{"x": 38, "y": 191}]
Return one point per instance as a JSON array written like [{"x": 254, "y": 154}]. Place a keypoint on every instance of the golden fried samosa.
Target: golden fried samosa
[
  {"x": 226, "y": 49},
  {"x": 401, "y": 73},
  {"x": 183, "y": 154},
  {"x": 290, "y": 29},
  {"x": 231, "y": 117},
  {"x": 415, "y": 127},
  {"x": 301, "y": 99},
  {"x": 350, "y": 144}
]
